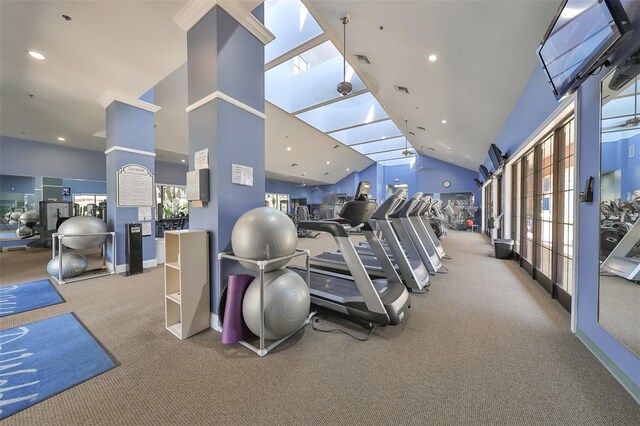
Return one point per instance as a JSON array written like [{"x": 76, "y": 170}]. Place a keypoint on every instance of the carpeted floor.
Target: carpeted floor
[{"x": 485, "y": 346}]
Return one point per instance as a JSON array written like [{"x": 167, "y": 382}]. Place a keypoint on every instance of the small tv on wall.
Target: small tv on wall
[
  {"x": 497, "y": 157},
  {"x": 484, "y": 172},
  {"x": 581, "y": 37}
]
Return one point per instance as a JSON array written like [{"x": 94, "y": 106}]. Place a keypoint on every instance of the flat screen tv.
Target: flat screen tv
[
  {"x": 497, "y": 158},
  {"x": 582, "y": 35},
  {"x": 484, "y": 172}
]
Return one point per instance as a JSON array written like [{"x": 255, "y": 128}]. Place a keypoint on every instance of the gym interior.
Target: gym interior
[{"x": 311, "y": 212}]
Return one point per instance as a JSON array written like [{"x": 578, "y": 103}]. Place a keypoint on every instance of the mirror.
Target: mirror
[{"x": 619, "y": 291}]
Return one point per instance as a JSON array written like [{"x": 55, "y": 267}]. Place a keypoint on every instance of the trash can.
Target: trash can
[{"x": 503, "y": 248}]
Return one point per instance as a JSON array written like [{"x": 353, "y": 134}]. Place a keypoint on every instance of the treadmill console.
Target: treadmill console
[{"x": 362, "y": 192}]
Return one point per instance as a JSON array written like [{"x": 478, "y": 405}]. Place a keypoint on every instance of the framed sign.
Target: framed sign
[
  {"x": 135, "y": 186},
  {"x": 66, "y": 191}
]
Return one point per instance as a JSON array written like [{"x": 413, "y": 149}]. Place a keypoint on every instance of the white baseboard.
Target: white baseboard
[
  {"x": 215, "y": 324},
  {"x": 121, "y": 269}
]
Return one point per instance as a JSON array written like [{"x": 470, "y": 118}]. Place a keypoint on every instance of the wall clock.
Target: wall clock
[{"x": 446, "y": 184}]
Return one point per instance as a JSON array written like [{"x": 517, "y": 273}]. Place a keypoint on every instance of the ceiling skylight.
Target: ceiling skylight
[
  {"x": 291, "y": 23},
  {"x": 400, "y": 161},
  {"x": 381, "y": 146},
  {"x": 371, "y": 132},
  {"x": 308, "y": 79},
  {"x": 390, "y": 155},
  {"x": 353, "y": 111}
]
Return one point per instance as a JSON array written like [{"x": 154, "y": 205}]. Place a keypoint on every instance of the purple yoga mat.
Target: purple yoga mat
[{"x": 234, "y": 328}]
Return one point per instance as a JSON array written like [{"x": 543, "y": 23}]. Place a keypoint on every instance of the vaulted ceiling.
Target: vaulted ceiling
[{"x": 485, "y": 54}]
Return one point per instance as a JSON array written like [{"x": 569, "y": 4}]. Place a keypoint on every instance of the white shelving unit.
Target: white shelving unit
[{"x": 186, "y": 282}]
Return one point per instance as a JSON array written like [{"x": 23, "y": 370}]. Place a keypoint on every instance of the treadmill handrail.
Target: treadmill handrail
[
  {"x": 407, "y": 207},
  {"x": 329, "y": 226}
]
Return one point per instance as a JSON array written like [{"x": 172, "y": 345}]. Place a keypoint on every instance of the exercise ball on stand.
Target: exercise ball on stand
[
  {"x": 83, "y": 225},
  {"x": 73, "y": 264},
  {"x": 264, "y": 233},
  {"x": 286, "y": 304}
]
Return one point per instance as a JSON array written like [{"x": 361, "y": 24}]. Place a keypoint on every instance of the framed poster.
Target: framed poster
[{"x": 135, "y": 186}]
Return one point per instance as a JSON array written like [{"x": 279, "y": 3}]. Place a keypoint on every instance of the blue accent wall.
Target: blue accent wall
[
  {"x": 84, "y": 187},
  {"x": 25, "y": 184},
  {"x": 534, "y": 107},
  {"x": 615, "y": 156},
  {"x": 23, "y": 157},
  {"x": 171, "y": 173},
  {"x": 293, "y": 189}
]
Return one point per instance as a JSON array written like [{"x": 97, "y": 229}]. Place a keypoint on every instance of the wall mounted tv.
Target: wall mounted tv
[
  {"x": 497, "y": 157},
  {"x": 484, "y": 172},
  {"x": 582, "y": 35}
]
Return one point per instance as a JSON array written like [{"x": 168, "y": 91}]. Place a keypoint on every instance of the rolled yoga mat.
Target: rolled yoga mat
[{"x": 234, "y": 328}]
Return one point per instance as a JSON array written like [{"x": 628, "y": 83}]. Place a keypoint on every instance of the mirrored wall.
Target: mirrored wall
[{"x": 619, "y": 291}]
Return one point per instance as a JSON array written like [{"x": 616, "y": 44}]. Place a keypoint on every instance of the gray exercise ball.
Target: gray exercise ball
[
  {"x": 286, "y": 304},
  {"x": 29, "y": 217},
  {"x": 83, "y": 225},
  {"x": 260, "y": 230},
  {"x": 23, "y": 231},
  {"x": 73, "y": 264}
]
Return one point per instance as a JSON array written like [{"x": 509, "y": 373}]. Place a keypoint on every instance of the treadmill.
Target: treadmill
[
  {"x": 378, "y": 301},
  {"x": 423, "y": 216},
  {"x": 411, "y": 222},
  {"x": 375, "y": 257}
]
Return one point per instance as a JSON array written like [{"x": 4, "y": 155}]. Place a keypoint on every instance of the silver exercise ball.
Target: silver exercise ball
[
  {"x": 23, "y": 231},
  {"x": 14, "y": 216},
  {"x": 260, "y": 230},
  {"x": 83, "y": 225},
  {"x": 286, "y": 304},
  {"x": 73, "y": 264},
  {"x": 29, "y": 217}
]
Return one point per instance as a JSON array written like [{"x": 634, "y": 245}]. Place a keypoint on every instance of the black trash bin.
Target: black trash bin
[{"x": 503, "y": 248}]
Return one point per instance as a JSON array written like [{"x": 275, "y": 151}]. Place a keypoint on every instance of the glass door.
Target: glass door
[
  {"x": 544, "y": 214},
  {"x": 516, "y": 205},
  {"x": 527, "y": 217}
]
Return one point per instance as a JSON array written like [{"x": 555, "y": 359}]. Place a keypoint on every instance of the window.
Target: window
[
  {"x": 299, "y": 65},
  {"x": 172, "y": 201}
]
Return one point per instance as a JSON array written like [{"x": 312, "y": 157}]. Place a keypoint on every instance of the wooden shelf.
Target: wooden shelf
[
  {"x": 186, "y": 282},
  {"x": 175, "y": 265},
  {"x": 174, "y": 296},
  {"x": 176, "y": 329}
]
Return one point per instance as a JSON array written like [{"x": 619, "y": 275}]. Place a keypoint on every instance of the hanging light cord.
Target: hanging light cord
[{"x": 344, "y": 47}]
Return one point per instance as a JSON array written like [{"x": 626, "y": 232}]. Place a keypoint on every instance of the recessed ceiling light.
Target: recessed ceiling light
[
  {"x": 433, "y": 58},
  {"x": 328, "y": 162},
  {"x": 288, "y": 148},
  {"x": 444, "y": 121},
  {"x": 183, "y": 161},
  {"x": 36, "y": 55},
  {"x": 347, "y": 169},
  {"x": 448, "y": 147},
  {"x": 61, "y": 139},
  {"x": 450, "y": 159}
]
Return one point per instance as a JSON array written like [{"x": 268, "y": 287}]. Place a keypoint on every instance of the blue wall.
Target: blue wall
[
  {"x": 17, "y": 184},
  {"x": 615, "y": 156},
  {"x": 534, "y": 107},
  {"x": 431, "y": 180},
  {"x": 28, "y": 158},
  {"x": 171, "y": 174},
  {"x": 293, "y": 189}
]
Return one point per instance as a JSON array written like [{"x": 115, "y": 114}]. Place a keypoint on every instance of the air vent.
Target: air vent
[
  {"x": 632, "y": 150},
  {"x": 336, "y": 147},
  {"x": 411, "y": 133},
  {"x": 294, "y": 164},
  {"x": 362, "y": 59},
  {"x": 326, "y": 173},
  {"x": 431, "y": 148},
  {"x": 402, "y": 89},
  {"x": 422, "y": 128}
]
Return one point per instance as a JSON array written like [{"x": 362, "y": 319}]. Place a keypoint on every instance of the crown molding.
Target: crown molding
[
  {"x": 233, "y": 101},
  {"x": 194, "y": 10},
  {"x": 110, "y": 96}
]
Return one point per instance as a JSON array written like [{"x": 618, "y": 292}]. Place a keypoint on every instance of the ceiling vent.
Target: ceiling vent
[
  {"x": 362, "y": 59},
  {"x": 326, "y": 173},
  {"x": 402, "y": 89},
  {"x": 336, "y": 147},
  {"x": 411, "y": 133},
  {"x": 422, "y": 128},
  {"x": 294, "y": 164}
]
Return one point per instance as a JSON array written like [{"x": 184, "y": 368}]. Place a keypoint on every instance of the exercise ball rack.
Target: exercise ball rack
[
  {"x": 262, "y": 265},
  {"x": 57, "y": 247}
]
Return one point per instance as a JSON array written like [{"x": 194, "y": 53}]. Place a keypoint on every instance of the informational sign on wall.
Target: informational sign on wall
[
  {"x": 146, "y": 229},
  {"x": 241, "y": 175},
  {"x": 201, "y": 159},
  {"x": 135, "y": 186},
  {"x": 144, "y": 214}
]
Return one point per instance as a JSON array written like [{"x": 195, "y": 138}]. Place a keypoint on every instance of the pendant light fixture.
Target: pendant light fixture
[
  {"x": 345, "y": 87},
  {"x": 406, "y": 151}
]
